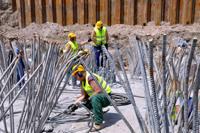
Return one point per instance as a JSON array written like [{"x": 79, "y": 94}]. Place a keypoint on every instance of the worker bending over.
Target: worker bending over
[
  {"x": 99, "y": 37},
  {"x": 92, "y": 92}
]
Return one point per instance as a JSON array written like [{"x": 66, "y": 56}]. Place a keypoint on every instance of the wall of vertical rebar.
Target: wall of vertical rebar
[{"x": 132, "y": 12}]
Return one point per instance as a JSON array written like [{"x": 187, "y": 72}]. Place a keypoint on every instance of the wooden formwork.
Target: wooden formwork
[{"x": 111, "y": 12}]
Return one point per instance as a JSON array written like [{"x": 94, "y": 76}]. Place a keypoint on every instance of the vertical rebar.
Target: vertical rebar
[{"x": 154, "y": 93}]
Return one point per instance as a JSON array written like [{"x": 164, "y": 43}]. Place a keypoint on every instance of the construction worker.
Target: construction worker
[
  {"x": 99, "y": 37},
  {"x": 74, "y": 46},
  {"x": 92, "y": 92},
  {"x": 20, "y": 67}
]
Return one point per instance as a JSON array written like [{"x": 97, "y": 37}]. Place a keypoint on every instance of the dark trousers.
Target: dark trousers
[{"x": 98, "y": 51}]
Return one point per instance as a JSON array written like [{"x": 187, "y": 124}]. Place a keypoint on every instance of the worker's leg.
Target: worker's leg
[
  {"x": 97, "y": 55},
  {"x": 98, "y": 102}
]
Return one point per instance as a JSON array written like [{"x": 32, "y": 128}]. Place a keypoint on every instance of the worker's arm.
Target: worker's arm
[
  {"x": 67, "y": 48},
  {"x": 81, "y": 98},
  {"x": 93, "y": 37},
  {"x": 94, "y": 86}
]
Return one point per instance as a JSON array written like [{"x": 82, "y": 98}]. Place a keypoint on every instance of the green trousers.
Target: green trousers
[{"x": 96, "y": 104}]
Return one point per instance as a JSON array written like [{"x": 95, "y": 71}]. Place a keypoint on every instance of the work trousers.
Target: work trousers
[
  {"x": 96, "y": 104},
  {"x": 98, "y": 51}
]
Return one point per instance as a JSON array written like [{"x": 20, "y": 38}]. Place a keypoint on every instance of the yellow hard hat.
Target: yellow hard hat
[
  {"x": 99, "y": 24},
  {"x": 79, "y": 68},
  {"x": 71, "y": 35}
]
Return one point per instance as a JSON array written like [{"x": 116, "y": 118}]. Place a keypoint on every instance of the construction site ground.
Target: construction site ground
[{"x": 113, "y": 122}]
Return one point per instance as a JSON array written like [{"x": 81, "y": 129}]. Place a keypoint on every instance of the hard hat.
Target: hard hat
[
  {"x": 71, "y": 35},
  {"x": 99, "y": 24},
  {"x": 78, "y": 68}
]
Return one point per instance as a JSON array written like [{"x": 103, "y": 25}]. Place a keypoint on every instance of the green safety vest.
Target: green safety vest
[
  {"x": 74, "y": 46},
  {"x": 100, "y": 36},
  {"x": 88, "y": 89}
]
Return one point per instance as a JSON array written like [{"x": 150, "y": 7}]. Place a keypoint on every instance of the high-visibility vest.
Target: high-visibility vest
[
  {"x": 88, "y": 89},
  {"x": 74, "y": 46},
  {"x": 100, "y": 36}
]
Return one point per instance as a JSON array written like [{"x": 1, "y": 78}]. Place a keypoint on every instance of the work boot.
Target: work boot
[{"x": 96, "y": 127}]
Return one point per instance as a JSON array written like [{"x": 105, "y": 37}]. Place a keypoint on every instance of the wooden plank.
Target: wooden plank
[
  {"x": 185, "y": 11},
  {"x": 156, "y": 11},
  {"x": 21, "y": 8},
  {"x": 197, "y": 11},
  {"x": 142, "y": 12},
  {"x": 38, "y": 10},
  {"x": 115, "y": 19},
  {"x": 28, "y": 12},
  {"x": 69, "y": 11},
  {"x": 128, "y": 12},
  {"x": 49, "y": 10},
  {"x": 167, "y": 11},
  {"x": 59, "y": 16},
  {"x": 80, "y": 11},
  {"x": 172, "y": 11},
  {"x": 92, "y": 11},
  {"x": 14, "y": 5},
  {"x": 104, "y": 11}
]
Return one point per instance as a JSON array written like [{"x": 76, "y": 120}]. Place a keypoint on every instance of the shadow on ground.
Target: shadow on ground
[{"x": 111, "y": 119}]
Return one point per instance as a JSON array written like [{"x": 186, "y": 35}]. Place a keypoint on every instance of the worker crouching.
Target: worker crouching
[{"x": 92, "y": 92}]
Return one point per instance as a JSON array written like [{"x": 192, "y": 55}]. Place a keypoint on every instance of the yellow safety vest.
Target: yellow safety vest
[
  {"x": 88, "y": 89},
  {"x": 100, "y": 36},
  {"x": 74, "y": 46}
]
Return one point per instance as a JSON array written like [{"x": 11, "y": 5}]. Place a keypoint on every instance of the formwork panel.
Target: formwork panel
[
  {"x": 21, "y": 9},
  {"x": 104, "y": 11},
  {"x": 38, "y": 11},
  {"x": 197, "y": 11},
  {"x": 115, "y": 19},
  {"x": 49, "y": 10},
  {"x": 59, "y": 11},
  {"x": 142, "y": 12},
  {"x": 156, "y": 11},
  {"x": 28, "y": 12},
  {"x": 167, "y": 11},
  {"x": 185, "y": 11},
  {"x": 69, "y": 11},
  {"x": 92, "y": 11},
  {"x": 172, "y": 11},
  {"x": 80, "y": 11},
  {"x": 128, "y": 12}
]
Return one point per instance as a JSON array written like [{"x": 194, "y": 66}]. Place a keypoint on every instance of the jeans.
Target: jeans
[{"x": 98, "y": 51}]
